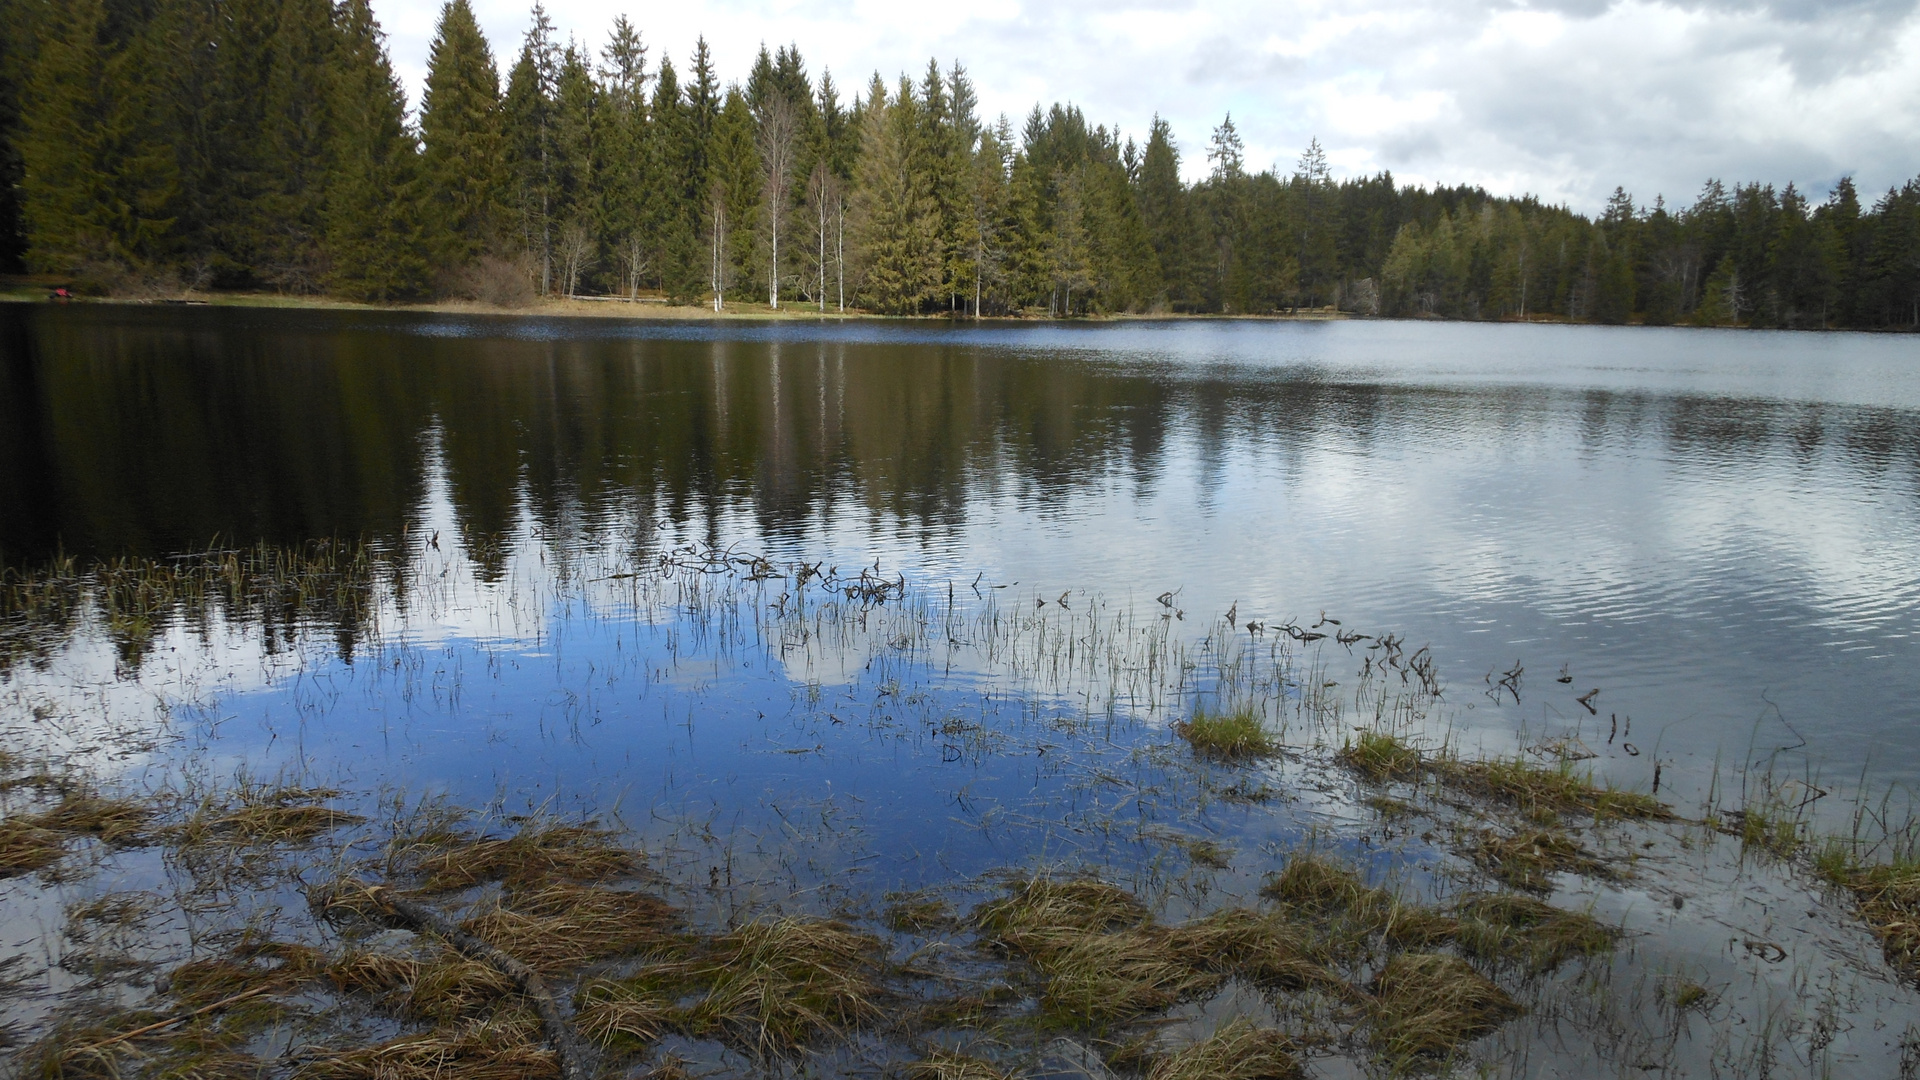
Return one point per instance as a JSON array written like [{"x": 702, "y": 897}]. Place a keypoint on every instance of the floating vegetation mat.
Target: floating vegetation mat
[{"x": 714, "y": 815}]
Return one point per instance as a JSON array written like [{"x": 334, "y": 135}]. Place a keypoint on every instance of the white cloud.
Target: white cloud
[{"x": 1561, "y": 98}]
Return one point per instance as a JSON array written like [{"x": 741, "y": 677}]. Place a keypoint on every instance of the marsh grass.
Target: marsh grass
[
  {"x": 540, "y": 852},
  {"x": 1238, "y": 1050},
  {"x": 942, "y": 1064},
  {"x": 1542, "y": 792},
  {"x": 261, "y": 814},
  {"x": 914, "y": 913},
  {"x": 1379, "y": 756},
  {"x": 490, "y": 1049},
  {"x": 1887, "y": 896},
  {"x": 1348, "y": 911},
  {"x": 770, "y": 987},
  {"x": 561, "y": 926},
  {"x": 1235, "y": 736},
  {"x": 1503, "y": 928},
  {"x": 34, "y": 841},
  {"x": 1428, "y": 1005},
  {"x": 1528, "y": 859}
]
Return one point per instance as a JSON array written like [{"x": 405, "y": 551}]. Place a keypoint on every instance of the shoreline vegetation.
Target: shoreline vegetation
[
  {"x": 164, "y": 149},
  {"x": 338, "y": 935},
  {"x": 657, "y": 308}
]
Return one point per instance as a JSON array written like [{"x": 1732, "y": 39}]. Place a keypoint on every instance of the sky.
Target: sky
[{"x": 1564, "y": 99}]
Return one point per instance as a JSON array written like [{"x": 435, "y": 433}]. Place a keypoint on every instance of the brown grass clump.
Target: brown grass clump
[
  {"x": 1332, "y": 892},
  {"x": 1528, "y": 860},
  {"x": 1233, "y": 736},
  {"x": 262, "y": 815},
  {"x": 614, "y": 1015},
  {"x": 26, "y": 847},
  {"x": 772, "y": 987},
  {"x": 1103, "y": 960},
  {"x": 1379, "y": 756},
  {"x": 453, "y": 987},
  {"x": 378, "y": 974},
  {"x": 1888, "y": 896},
  {"x": 1046, "y": 906},
  {"x": 1539, "y": 791},
  {"x": 1239, "y": 1050},
  {"x": 481, "y": 1050},
  {"x": 30, "y": 842},
  {"x": 1264, "y": 949},
  {"x": 1427, "y": 1005},
  {"x": 1520, "y": 928},
  {"x": 940, "y": 1064},
  {"x": 556, "y": 927},
  {"x": 540, "y": 852}
]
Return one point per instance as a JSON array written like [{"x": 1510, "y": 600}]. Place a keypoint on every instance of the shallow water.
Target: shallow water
[{"x": 1718, "y": 531}]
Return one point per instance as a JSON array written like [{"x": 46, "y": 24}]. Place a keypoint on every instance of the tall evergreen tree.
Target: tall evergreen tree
[
  {"x": 376, "y": 235},
  {"x": 896, "y": 222},
  {"x": 460, "y": 127}
]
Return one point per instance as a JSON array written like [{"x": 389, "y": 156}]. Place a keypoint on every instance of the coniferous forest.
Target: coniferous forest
[{"x": 267, "y": 145}]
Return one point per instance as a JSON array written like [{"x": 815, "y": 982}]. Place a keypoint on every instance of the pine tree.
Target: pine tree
[
  {"x": 376, "y": 238},
  {"x": 460, "y": 126}
]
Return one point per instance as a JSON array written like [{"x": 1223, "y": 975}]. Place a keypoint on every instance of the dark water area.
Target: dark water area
[{"x": 1718, "y": 530}]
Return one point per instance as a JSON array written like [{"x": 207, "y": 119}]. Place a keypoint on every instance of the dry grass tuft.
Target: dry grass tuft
[
  {"x": 555, "y": 927},
  {"x": 1544, "y": 791},
  {"x": 454, "y": 987},
  {"x": 1379, "y": 756},
  {"x": 482, "y": 1050},
  {"x": 1349, "y": 910},
  {"x": 1099, "y": 980},
  {"x": 1526, "y": 930},
  {"x": 940, "y": 1064},
  {"x": 615, "y": 1015},
  {"x": 771, "y": 987},
  {"x": 1888, "y": 895},
  {"x": 1046, "y": 906},
  {"x": 1234, "y": 736},
  {"x": 1239, "y": 1050},
  {"x": 30, "y": 842},
  {"x": 1528, "y": 860},
  {"x": 1264, "y": 949},
  {"x": 1427, "y": 1005},
  {"x": 263, "y": 815},
  {"x": 375, "y": 973},
  {"x": 539, "y": 853}
]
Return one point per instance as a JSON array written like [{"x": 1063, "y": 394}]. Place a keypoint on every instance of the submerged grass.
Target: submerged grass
[
  {"x": 1888, "y": 897},
  {"x": 561, "y": 926},
  {"x": 1543, "y": 791},
  {"x": 1523, "y": 930},
  {"x": 256, "y": 814},
  {"x": 941, "y": 1064},
  {"x": 1528, "y": 859},
  {"x": 478, "y": 1050},
  {"x": 35, "y": 841}
]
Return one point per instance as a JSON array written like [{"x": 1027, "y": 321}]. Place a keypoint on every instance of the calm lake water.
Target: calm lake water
[
  {"x": 1720, "y": 531},
  {"x": 1030, "y": 549}
]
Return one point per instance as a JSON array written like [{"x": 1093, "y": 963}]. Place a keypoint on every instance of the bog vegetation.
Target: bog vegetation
[{"x": 267, "y": 145}]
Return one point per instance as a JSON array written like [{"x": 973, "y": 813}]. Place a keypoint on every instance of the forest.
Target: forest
[{"x": 266, "y": 145}]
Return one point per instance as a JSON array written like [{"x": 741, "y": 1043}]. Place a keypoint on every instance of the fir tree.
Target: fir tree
[
  {"x": 376, "y": 239},
  {"x": 896, "y": 220},
  {"x": 460, "y": 127}
]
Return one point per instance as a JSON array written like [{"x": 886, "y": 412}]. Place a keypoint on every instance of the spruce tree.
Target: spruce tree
[
  {"x": 99, "y": 185},
  {"x": 460, "y": 127},
  {"x": 376, "y": 239},
  {"x": 896, "y": 222},
  {"x": 527, "y": 127}
]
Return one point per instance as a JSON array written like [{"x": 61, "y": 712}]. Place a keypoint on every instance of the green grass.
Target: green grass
[{"x": 1229, "y": 736}]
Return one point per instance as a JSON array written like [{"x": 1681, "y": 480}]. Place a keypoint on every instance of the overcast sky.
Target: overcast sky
[{"x": 1560, "y": 98}]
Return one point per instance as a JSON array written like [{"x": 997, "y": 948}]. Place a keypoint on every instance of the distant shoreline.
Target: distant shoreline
[{"x": 656, "y": 309}]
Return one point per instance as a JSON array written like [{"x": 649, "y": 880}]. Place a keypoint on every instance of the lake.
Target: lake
[{"x": 1032, "y": 549}]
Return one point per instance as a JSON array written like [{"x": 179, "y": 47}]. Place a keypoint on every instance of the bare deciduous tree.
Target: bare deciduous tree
[
  {"x": 633, "y": 259},
  {"x": 778, "y": 125},
  {"x": 576, "y": 254}
]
